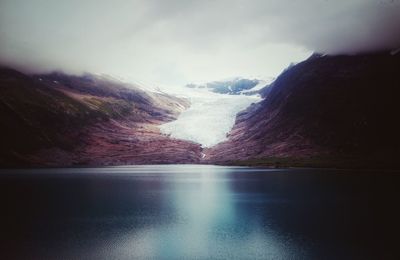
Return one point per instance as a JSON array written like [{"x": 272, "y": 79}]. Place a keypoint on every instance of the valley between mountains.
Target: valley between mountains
[{"x": 327, "y": 111}]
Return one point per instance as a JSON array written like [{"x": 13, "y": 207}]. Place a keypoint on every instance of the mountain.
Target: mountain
[
  {"x": 62, "y": 120},
  {"x": 337, "y": 111},
  {"x": 235, "y": 86},
  {"x": 327, "y": 111}
]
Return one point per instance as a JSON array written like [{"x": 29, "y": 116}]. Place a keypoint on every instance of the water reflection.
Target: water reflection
[
  {"x": 197, "y": 212},
  {"x": 209, "y": 221}
]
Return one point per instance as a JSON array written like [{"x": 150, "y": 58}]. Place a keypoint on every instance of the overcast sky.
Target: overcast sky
[{"x": 174, "y": 42}]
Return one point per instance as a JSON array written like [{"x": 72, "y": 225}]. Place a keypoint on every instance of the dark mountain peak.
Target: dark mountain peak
[
  {"x": 9, "y": 73},
  {"x": 344, "y": 105}
]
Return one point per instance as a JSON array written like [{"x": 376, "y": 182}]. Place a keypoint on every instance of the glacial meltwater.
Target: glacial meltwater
[{"x": 198, "y": 212}]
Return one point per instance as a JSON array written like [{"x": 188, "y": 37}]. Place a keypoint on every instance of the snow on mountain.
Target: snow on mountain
[
  {"x": 213, "y": 107},
  {"x": 261, "y": 84},
  {"x": 209, "y": 118}
]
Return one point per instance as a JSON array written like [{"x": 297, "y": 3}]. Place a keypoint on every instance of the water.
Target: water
[{"x": 198, "y": 212}]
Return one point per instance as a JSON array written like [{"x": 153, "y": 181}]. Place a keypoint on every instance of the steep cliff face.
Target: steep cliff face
[
  {"x": 59, "y": 119},
  {"x": 331, "y": 106}
]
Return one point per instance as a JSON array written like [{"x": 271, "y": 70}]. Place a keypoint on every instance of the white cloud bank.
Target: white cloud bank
[{"x": 179, "y": 41}]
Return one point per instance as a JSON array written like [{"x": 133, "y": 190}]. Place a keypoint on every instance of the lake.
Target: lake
[{"x": 198, "y": 212}]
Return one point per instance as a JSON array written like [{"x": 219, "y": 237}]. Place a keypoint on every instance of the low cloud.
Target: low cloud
[{"x": 175, "y": 42}]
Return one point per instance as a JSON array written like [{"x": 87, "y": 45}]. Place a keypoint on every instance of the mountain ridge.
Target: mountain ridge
[
  {"x": 326, "y": 106},
  {"x": 64, "y": 120},
  {"x": 327, "y": 111}
]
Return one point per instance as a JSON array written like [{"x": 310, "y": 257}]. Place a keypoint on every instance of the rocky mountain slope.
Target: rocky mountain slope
[
  {"x": 326, "y": 111},
  {"x": 65, "y": 120}
]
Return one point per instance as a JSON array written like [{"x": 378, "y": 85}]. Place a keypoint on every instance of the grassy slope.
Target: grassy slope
[
  {"x": 68, "y": 113},
  {"x": 35, "y": 116},
  {"x": 147, "y": 105}
]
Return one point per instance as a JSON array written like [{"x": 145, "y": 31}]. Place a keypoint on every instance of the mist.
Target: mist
[{"x": 176, "y": 42}]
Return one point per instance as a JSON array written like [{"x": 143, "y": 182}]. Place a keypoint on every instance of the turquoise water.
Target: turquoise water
[{"x": 197, "y": 212}]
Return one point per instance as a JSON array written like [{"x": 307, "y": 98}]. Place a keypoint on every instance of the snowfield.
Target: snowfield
[{"x": 210, "y": 117}]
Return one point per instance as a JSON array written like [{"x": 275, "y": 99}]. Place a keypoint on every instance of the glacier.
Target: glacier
[{"x": 210, "y": 117}]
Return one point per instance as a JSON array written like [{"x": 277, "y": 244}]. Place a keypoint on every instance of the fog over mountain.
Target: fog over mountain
[{"x": 177, "y": 42}]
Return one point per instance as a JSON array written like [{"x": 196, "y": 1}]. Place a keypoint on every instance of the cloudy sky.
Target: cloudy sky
[{"x": 173, "y": 42}]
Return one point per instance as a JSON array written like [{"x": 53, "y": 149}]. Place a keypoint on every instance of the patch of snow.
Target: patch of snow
[{"x": 261, "y": 84}]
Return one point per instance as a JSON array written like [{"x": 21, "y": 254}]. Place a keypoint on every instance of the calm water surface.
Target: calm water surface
[{"x": 198, "y": 212}]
